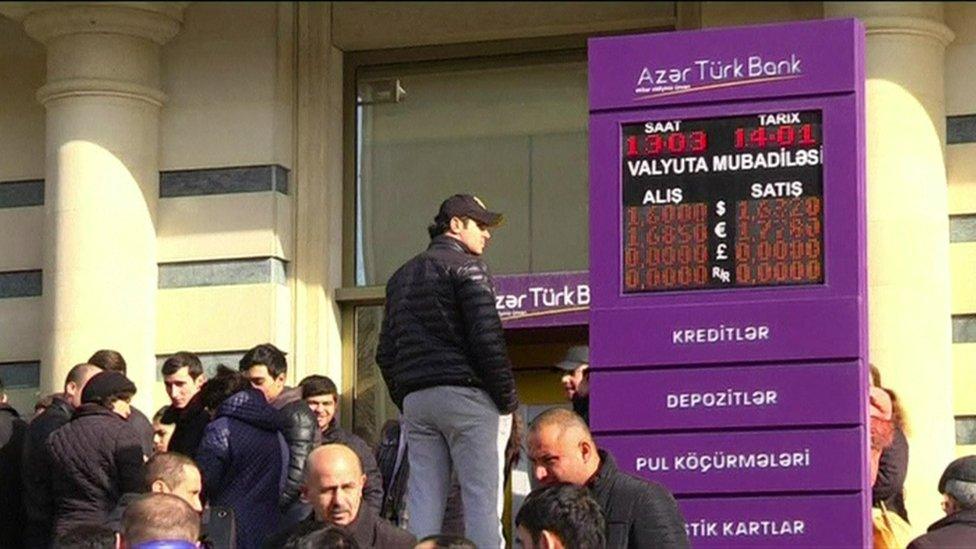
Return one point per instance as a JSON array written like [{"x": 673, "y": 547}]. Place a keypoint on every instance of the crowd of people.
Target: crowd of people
[{"x": 240, "y": 460}]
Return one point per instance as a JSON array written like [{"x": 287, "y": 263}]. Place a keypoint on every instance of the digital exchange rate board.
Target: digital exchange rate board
[{"x": 723, "y": 202}]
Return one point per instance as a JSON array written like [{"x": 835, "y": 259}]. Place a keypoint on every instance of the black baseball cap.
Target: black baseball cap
[
  {"x": 575, "y": 357},
  {"x": 466, "y": 205}
]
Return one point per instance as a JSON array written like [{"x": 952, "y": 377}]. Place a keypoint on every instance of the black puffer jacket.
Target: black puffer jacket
[
  {"x": 441, "y": 327},
  {"x": 37, "y": 490},
  {"x": 301, "y": 431},
  {"x": 639, "y": 513},
  {"x": 93, "y": 460}
]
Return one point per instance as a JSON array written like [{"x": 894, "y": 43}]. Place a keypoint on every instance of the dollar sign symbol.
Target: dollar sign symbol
[{"x": 720, "y": 207}]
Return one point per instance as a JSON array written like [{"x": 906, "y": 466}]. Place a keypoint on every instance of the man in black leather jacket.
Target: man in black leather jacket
[
  {"x": 638, "y": 513},
  {"x": 265, "y": 366},
  {"x": 443, "y": 357}
]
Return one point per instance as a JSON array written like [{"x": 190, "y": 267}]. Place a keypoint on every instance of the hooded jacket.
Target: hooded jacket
[
  {"x": 243, "y": 457},
  {"x": 93, "y": 460},
  {"x": 441, "y": 327}
]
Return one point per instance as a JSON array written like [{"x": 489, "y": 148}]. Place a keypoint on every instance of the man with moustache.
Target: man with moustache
[
  {"x": 333, "y": 486},
  {"x": 322, "y": 397}
]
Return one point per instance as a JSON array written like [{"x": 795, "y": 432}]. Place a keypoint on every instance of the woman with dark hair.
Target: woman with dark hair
[
  {"x": 889, "y": 487},
  {"x": 243, "y": 455}
]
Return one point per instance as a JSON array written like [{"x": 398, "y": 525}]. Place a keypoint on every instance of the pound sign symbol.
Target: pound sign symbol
[{"x": 720, "y": 252}]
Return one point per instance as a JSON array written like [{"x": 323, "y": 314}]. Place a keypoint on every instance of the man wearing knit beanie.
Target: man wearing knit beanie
[
  {"x": 113, "y": 361},
  {"x": 96, "y": 457},
  {"x": 112, "y": 390}
]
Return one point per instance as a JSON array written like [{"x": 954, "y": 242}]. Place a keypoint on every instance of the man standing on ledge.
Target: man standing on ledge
[
  {"x": 639, "y": 513},
  {"x": 442, "y": 354}
]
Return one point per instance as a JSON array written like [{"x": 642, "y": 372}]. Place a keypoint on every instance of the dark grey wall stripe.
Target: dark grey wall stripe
[
  {"x": 964, "y": 328},
  {"x": 961, "y": 129},
  {"x": 966, "y": 430},
  {"x": 210, "y": 362},
  {"x": 20, "y": 284},
  {"x": 962, "y": 228},
  {"x": 18, "y": 375},
  {"x": 16, "y": 194},
  {"x": 222, "y": 273},
  {"x": 247, "y": 179}
]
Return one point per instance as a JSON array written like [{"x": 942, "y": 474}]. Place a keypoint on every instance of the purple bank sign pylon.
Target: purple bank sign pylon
[{"x": 727, "y": 281}]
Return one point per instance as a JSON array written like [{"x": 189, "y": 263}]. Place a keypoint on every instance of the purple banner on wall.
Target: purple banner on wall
[
  {"x": 543, "y": 299},
  {"x": 688, "y": 398},
  {"x": 743, "y": 462},
  {"x": 810, "y": 521}
]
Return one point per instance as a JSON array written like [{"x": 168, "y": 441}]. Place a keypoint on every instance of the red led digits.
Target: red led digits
[
  {"x": 671, "y": 143},
  {"x": 774, "y": 137},
  {"x": 779, "y": 241},
  {"x": 720, "y": 203},
  {"x": 669, "y": 248}
]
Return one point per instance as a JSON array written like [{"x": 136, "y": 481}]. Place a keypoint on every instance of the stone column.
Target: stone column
[
  {"x": 103, "y": 102},
  {"x": 908, "y": 242}
]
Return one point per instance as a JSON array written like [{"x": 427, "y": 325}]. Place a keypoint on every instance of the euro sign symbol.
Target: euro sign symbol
[
  {"x": 720, "y": 208},
  {"x": 720, "y": 229}
]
